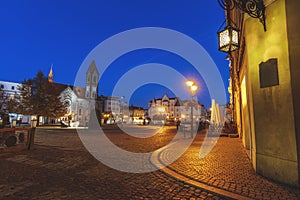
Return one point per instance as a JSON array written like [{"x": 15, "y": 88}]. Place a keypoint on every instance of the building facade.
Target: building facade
[
  {"x": 80, "y": 100},
  {"x": 186, "y": 112},
  {"x": 136, "y": 114},
  {"x": 166, "y": 107},
  {"x": 174, "y": 109},
  {"x": 265, "y": 89},
  {"x": 9, "y": 91}
]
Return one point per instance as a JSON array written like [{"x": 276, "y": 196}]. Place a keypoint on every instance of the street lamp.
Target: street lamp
[
  {"x": 229, "y": 37},
  {"x": 162, "y": 111},
  {"x": 193, "y": 88},
  {"x": 122, "y": 109}
]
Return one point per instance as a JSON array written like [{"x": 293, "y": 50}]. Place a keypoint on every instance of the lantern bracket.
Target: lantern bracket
[{"x": 254, "y": 8}]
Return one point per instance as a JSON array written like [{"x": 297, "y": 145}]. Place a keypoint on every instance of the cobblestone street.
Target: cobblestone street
[
  {"x": 227, "y": 167},
  {"x": 59, "y": 167}
]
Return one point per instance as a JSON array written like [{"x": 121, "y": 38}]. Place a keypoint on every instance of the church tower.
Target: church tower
[
  {"x": 50, "y": 76},
  {"x": 92, "y": 77}
]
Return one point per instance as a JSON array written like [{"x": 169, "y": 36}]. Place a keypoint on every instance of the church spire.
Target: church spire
[{"x": 50, "y": 76}]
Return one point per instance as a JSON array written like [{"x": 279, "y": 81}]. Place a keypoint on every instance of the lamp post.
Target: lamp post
[
  {"x": 193, "y": 88},
  {"x": 161, "y": 111},
  {"x": 122, "y": 109}
]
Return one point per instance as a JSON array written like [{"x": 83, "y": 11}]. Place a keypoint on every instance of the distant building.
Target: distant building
[
  {"x": 167, "y": 108},
  {"x": 112, "y": 104},
  {"x": 10, "y": 88},
  {"x": 137, "y": 114},
  {"x": 10, "y": 91},
  {"x": 185, "y": 110},
  {"x": 78, "y": 99},
  {"x": 77, "y": 105}
]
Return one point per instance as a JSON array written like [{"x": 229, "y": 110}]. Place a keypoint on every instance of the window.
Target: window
[
  {"x": 12, "y": 87},
  {"x": 79, "y": 112},
  {"x": 2, "y": 86}
]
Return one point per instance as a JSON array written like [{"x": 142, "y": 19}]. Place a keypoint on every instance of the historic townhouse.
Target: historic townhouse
[
  {"x": 265, "y": 88},
  {"x": 167, "y": 107},
  {"x": 174, "y": 109}
]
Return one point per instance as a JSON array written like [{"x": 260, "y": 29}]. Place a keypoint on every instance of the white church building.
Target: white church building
[{"x": 78, "y": 99}]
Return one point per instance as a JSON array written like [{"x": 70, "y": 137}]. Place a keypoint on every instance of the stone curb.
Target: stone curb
[{"x": 156, "y": 161}]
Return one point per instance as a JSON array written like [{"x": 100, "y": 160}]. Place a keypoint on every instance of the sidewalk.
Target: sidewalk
[{"x": 226, "y": 170}]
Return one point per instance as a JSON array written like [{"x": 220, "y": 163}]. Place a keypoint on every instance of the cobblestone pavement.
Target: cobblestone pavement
[
  {"x": 59, "y": 167},
  {"x": 226, "y": 167}
]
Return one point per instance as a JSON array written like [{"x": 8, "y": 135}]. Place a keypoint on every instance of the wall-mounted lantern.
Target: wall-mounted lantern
[{"x": 229, "y": 37}]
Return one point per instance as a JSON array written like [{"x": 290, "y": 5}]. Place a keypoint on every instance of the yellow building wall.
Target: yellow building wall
[
  {"x": 272, "y": 107},
  {"x": 245, "y": 115},
  {"x": 293, "y": 29}
]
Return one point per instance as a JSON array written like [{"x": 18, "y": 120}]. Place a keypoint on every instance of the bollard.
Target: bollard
[{"x": 31, "y": 138}]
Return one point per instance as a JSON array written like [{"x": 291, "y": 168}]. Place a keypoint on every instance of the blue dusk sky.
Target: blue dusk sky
[{"x": 36, "y": 34}]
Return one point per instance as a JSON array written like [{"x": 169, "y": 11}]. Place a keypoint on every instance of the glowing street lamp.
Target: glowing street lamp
[
  {"x": 193, "y": 88},
  {"x": 189, "y": 83}
]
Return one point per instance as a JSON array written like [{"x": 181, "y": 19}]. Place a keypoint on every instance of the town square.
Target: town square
[{"x": 150, "y": 100}]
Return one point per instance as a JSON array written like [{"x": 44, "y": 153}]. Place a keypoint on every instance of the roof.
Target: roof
[
  {"x": 79, "y": 91},
  {"x": 92, "y": 68},
  {"x": 160, "y": 99},
  {"x": 132, "y": 107}
]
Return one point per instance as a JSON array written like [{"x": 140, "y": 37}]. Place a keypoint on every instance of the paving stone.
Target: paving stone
[
  {"x": 59, "y": 167},
  {"x": 226, "y": 167}
]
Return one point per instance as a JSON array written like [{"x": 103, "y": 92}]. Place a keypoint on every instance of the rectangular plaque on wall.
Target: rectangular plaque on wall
[{"x": 268, "y": 73}]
